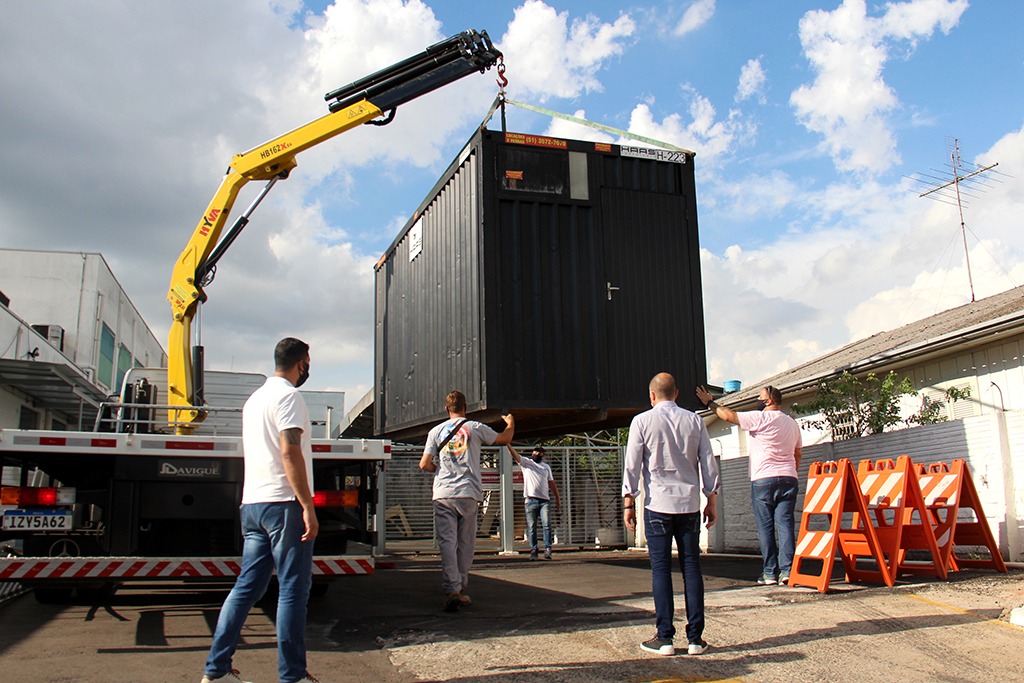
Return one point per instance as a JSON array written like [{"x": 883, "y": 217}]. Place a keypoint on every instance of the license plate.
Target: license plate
[{"x": 37, "y": 520}]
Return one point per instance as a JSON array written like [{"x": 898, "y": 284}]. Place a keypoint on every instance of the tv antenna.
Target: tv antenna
[{"x": 955, "y": 187}]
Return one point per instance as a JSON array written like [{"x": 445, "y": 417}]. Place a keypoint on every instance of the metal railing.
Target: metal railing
[{"x": 152, "y": 418}]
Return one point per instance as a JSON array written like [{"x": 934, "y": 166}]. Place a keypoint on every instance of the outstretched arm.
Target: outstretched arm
[
  {"x": 505, "y": 437},
  {"x": 722, "y": 412}
]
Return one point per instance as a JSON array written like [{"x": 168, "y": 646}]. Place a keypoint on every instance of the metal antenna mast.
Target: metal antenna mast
[{"x": 962, "y": 185}]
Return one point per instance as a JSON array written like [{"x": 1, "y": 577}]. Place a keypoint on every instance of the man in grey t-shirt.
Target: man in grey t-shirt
[{"x": 452, "y": 453}]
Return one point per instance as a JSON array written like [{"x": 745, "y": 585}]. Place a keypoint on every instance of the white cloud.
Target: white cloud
[
  {"x": 752, "y": 82},
  {"x": 707, "y": 135},
  {"x": 849, "y": 102},
  {"x": 561, "y": 128},
  {"x": 696, "y": 15},
  {"x": 550, "y": 57},
  {"x": 870, "y": 258}
]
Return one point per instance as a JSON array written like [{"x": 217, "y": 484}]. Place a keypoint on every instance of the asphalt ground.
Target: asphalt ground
[{"x": 579, "y": 617}]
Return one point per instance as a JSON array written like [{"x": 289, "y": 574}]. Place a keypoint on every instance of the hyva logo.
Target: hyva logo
[{"x": 179, "y": 469}]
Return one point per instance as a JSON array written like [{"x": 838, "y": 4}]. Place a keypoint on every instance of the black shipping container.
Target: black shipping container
[{"x": 551, "y": 278}]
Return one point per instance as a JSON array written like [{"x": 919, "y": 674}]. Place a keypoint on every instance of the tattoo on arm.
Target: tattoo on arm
[{"x": 292, "y": 436}]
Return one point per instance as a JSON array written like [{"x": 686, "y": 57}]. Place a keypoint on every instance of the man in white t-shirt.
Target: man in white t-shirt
[
  {"x": 278, "y": 519},
  {"x": 452, "y": 453},
  {"x": 538, "y": 487},
  {"x": 775, "y": 453}
]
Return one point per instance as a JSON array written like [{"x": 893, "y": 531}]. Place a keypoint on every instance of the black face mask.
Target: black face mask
[
  {"x": 303, "y": 376},
  {"x": 760, "y": 405}
]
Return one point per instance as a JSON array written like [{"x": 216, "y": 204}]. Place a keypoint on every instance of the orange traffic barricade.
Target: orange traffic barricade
[
  {"x": 834, "y": 498},
  {"x": 957, "y": 517},
  {"x": 902, "y": 522}
]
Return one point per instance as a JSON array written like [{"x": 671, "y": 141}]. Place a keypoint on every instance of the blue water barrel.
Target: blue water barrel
[{"x": 731, "y": 385}]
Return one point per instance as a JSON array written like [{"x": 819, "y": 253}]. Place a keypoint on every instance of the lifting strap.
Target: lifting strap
[{"x": 501, "y": 100}]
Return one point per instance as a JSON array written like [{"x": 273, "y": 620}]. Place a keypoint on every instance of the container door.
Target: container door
[
  {"x": 652, "y": 294},
  {"x": 550, "y": 345}
]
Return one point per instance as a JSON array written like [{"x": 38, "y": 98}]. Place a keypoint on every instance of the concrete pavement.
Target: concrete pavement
[{"x": 579, "y": 617}]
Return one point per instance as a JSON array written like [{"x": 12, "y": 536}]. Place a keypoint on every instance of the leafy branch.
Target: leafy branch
[{"x": 851, "y": 407}]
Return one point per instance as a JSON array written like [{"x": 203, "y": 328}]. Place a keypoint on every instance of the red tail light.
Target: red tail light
[
  {"x": 348, "y": 498},
  {"x": 34, "y": 496}
]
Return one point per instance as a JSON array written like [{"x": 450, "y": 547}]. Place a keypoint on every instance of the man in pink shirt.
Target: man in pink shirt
[{"x": 774, "y": 461}]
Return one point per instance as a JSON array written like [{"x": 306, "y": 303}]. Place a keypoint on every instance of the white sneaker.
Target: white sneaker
[
  {"x": 658, "y": 646},
  {"x": 697, "y": 648},
  {"x": 231, "y": 677}
]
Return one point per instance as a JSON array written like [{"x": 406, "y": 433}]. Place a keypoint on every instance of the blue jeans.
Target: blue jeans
[
  {"x": 538, "y": 508},
  {"x": 660, "y": 529},
  {"x": 271, "y": 534},
  {"x": 774, "y": 503}
]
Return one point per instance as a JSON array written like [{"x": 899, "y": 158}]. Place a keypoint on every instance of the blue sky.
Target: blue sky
[{"x": 806, "y": 117}]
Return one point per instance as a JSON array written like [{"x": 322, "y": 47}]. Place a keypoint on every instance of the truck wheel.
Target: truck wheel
[{"x": 52, "y": 596}]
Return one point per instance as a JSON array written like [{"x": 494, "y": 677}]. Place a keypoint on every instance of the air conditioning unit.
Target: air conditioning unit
[{"x": 53, "y": 333}]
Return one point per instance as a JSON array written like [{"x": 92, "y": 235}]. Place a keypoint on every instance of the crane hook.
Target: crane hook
[{"x": 501, "y": 80}]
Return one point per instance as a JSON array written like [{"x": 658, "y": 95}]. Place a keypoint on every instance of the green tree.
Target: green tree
[
  {"x": 933, "y": 411},
  {"x": 852, "y": 407}
]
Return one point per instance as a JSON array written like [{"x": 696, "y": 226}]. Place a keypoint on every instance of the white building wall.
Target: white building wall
[
  {"x": 995, "y": 375},
  {"x": 78, "y": 292},
  {"x": 991, "y": 444}
]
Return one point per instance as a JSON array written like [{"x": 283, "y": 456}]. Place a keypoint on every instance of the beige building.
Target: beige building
[{"x": 977, "y": 346}]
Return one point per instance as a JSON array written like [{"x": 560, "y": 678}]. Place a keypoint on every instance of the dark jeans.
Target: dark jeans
[
  {"x": 660, "y": 529},
  {"x": 538, "y": 513},
  {"x": 272, "y": 534},
  {"x": 774, "y": 503}
]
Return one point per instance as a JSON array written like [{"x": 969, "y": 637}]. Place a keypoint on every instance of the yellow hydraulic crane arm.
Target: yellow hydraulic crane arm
[{"x": 363, "y": 101}]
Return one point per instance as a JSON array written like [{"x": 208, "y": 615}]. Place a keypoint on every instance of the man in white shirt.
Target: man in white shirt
[
  {"x": 538, "y": 485},
  {"x": 669, "y": 447},
  {"x": 278, "y": 519}
]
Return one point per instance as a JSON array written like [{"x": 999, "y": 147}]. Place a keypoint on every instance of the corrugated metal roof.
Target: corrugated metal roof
[
  {"x": 54, "y": 386},
  {"x": 990, "y": 317}
]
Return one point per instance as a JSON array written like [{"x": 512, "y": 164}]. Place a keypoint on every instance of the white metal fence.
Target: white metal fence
[{"x": 589, "y": 480}]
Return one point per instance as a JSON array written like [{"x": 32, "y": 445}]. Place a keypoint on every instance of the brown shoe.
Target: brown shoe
[{"x": 465, "y": 600}]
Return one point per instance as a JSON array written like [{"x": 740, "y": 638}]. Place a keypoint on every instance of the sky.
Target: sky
[{"x": 816, "y": 126}]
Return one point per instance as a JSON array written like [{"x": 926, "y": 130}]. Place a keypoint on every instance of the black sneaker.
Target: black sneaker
[
  {"x": 547, "y": 554},
  {"x": 658, "y": 646},
  {"x": 451, "y": 603},
  {"x": 784, "y": 578},
  {"x": 533, "y": 554},
  {"x": 697, "y": 648}
]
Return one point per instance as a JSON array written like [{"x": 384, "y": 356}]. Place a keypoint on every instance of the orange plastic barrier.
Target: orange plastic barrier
[
  {"x": 901, "y": 520},
  {"x": 948, "y": 490},
  {"x": 833, "y": 492}
]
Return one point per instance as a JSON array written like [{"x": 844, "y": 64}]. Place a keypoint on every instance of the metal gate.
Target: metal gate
[{"x": 589, "y": 480}]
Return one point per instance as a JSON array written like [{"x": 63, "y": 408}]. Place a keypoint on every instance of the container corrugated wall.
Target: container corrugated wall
[
  {"x": 428, "y": 307},
  {"x": 549, "y": 277}
]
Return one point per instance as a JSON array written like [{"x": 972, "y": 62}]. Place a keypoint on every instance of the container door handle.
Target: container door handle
[{"x": 610, "y": 290}]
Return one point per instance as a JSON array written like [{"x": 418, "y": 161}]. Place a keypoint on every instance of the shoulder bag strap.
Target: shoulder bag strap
[{"x": 455, "y": 429}]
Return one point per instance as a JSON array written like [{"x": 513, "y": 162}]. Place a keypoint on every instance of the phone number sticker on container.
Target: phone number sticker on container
[{"x": 37, "y": 520}]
